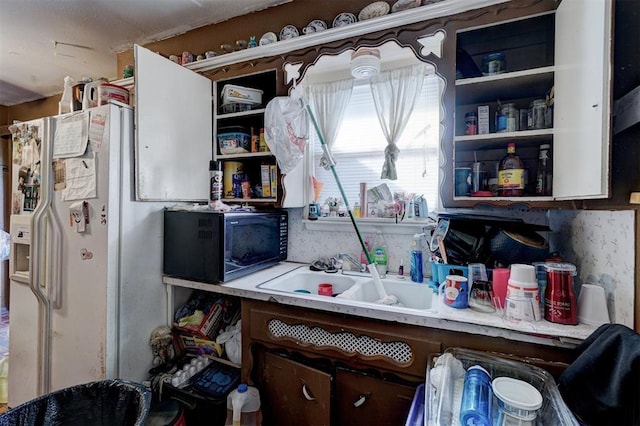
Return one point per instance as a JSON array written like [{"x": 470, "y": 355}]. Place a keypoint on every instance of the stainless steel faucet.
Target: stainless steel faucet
[{"x": 359, "y": 267}]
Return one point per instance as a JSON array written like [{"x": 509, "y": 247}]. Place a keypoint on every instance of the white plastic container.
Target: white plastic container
[
  {"x": 243, "y": 406},
  {"x": 518, "y": 401},
  {"x": 241, "y": 95},
  {"x": 523, "y": 286}
]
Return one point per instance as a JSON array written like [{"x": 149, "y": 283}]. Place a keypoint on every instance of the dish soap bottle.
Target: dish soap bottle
[
  {"x": 380, "y": 255},
  {"x": 416, "y": 258},
  {"x": 511, "y": 174}
]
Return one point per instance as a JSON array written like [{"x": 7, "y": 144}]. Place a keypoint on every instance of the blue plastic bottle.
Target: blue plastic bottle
[
  {"x": 477, "y": 398},
  {"x": 416, "y": 259}
]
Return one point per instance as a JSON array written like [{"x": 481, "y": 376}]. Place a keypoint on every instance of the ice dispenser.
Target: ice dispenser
[{"x": 20, "y": 243}]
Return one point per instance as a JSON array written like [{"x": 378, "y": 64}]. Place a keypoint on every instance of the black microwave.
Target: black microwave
[{"x": 215, "y": 247}]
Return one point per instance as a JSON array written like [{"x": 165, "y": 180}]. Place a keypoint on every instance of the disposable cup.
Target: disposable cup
[
  {"x": 592, "y": 305},
  {"x": 500, "y": 281},
  {"x": 521, "y": 274}
]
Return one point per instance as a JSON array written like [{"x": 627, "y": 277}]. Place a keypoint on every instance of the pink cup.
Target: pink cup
[{"x": 500, "y": 282}]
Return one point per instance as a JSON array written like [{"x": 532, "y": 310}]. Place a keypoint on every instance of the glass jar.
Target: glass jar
[
  {"x": 493, "y": 63},
  {"x": 538, "y": 114},
  {"x": 512, "y": 116}
]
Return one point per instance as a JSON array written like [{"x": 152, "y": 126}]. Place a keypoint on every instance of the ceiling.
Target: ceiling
[{"x": 42, "y": 41}]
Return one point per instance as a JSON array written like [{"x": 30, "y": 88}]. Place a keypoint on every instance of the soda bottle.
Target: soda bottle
[{"x": 511, "y": 174}]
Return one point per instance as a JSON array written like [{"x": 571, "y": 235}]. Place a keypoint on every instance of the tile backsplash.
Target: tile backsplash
[{"x": 599, "y": 243}]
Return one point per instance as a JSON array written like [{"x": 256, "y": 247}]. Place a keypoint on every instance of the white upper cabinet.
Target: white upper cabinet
[
  {"x": 173, "y": 130},
  {"x": 583, "y": 70}
]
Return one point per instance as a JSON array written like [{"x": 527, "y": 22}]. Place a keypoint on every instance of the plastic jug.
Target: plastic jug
[{"x": 243, "y": 406}]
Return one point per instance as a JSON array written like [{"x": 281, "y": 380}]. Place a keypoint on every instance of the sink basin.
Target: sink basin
[
  {"x": 410, "y": 295},
  {"x": 305, "y": 281},
  {"x": 357, "y": 289}
]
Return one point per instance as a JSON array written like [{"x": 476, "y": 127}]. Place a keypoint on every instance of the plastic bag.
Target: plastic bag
[
  {"x": 5, "y": 245},
  {"x": 286, "y": 129},
  {"x": 230, "y": 338}
]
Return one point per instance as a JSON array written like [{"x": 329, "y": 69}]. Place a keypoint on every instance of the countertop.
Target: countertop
[{"x": 440, "y": 317}]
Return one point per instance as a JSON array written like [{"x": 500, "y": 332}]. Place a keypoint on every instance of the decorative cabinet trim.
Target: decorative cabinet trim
[{"x": 362, "y": 346}]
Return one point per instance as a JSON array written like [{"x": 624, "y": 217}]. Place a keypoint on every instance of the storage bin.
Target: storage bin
[
  {"x": 242, "y": 95},
  {"x": 554, "y": 411},
  {"x": 234, "y": 140}
]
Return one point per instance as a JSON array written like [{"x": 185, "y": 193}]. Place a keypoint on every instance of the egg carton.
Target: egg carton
[{"x": 182, "y": 377}]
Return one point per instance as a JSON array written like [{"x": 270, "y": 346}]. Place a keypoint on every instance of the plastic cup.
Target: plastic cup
[
  {"x": 592, "y": 305},
  {"x": 325, "y": 289},
  {"x": 500, "y": 282}
]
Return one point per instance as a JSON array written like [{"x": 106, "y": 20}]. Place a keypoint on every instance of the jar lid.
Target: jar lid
[
  {"x": 493, "y": 56},
  {"x": 561, "y": 267}
]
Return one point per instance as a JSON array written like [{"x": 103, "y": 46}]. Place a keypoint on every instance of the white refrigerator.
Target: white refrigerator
[{"x": 86, "y": 285}]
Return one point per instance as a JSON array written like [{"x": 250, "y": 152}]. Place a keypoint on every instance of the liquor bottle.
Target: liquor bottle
[
  {"x": 544, "y": 174},
  {"x": 511, "y": 174}
]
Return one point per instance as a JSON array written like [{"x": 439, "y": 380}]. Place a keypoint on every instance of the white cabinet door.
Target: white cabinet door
[
  {"x": 173, "y": 130},
  {"x": 583, "y": 70}
]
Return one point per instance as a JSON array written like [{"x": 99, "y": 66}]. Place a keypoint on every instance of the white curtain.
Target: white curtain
[
  {"x": 328, "y": 102},
  {"x": 394, "y": 94}
]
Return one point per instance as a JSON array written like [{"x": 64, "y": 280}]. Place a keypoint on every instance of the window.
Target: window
[{"x": 359, "y": 148}]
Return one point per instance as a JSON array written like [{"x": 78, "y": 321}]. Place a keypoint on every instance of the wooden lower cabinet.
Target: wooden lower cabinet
[
  {"x": 293, "y": 393},
  {"x": 321, "y": 368}
]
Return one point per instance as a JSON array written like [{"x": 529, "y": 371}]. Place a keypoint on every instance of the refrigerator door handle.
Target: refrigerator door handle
[
  {"x": 53, "y": 276},
  {"x": 37, "y": 261}
]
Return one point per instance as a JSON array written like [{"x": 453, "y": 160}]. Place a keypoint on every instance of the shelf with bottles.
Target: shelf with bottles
[
  {"x": 485, "y": 185},
  {"x": 509, "y": 68}
]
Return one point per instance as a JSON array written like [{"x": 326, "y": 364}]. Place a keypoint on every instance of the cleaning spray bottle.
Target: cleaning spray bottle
[{"x": 416, "y": 258}]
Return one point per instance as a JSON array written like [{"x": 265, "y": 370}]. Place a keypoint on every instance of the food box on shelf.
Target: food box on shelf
[
  {"x": 217, "y": 311},
  {"x": 443, "y": 395},
  {"x": 234, "y": 140},
  {"x": 242, "y": 95}
]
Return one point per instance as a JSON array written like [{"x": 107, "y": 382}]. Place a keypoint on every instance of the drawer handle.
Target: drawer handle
[
  {"x": 361, "y": 400},
  {"x": 306, "y": 393}
]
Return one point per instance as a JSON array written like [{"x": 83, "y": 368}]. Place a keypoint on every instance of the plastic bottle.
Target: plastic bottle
[
  {"x": 543, "y": 176},
  {"x": 416, "y": 259},
  {"x": 380, "y": 255},
  {"x": 243, "y": 406},
  {"x": 477, "y": 398},
  {"x": 511, "y": 174},
  {"x": 66, "y": 103}
]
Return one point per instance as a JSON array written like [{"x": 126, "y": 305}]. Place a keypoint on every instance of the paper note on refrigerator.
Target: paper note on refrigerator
[
  {"x": 80, "y": 179},
  {"x": 71, "y": 135}
]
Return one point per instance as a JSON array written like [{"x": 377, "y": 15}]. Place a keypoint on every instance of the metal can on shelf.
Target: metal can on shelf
[{"x": 471, "y": 123}]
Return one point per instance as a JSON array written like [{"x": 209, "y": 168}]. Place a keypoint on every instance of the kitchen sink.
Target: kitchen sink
[
  {"x": 409, "y": 294},
  {"x": 304, "y": 281},
  {"x": 348, "y": 289}
]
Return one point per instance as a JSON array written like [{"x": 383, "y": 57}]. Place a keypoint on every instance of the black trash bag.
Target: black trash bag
[
  {"x": 602, "y": 385},
  {"x": 107, "y": 402}
]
